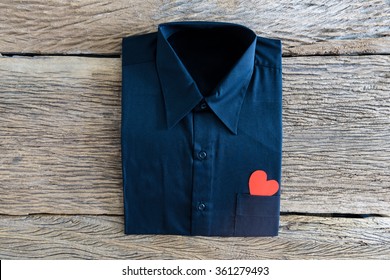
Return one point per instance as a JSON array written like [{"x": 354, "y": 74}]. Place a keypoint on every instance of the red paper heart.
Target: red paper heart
[{"x": 259, "y": 185}]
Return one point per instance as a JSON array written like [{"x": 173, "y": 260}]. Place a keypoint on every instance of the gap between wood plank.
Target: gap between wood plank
[
  {"x": 116, "y": 55},
  {"x": 324, "y": 215},
  {"x": 333, "y": 215},
  {"x": 95, "y": 55}
]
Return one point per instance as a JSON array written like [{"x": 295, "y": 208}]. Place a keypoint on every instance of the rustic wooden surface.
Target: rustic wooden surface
[
  {"x": 60, "y": 177},
  {"x": 94, "y": 26},
  {"x": 91, "y": 237}
]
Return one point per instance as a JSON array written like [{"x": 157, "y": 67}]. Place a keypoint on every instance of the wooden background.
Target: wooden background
[{"x": 60, "y": 83}]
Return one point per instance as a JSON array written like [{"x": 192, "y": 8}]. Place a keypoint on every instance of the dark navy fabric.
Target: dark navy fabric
[{"x": 201, "y": 111}]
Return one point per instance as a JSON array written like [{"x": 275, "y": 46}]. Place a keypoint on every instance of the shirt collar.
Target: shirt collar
[{"x": 175, "y": 80}]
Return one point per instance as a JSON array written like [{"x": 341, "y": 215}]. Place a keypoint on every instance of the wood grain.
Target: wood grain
[
  {"x": 337, "y": 134},
  {"x": 91, "y": 26},
  {"x": 101, "y": 237},
  {"x": 60, "y": 137}
]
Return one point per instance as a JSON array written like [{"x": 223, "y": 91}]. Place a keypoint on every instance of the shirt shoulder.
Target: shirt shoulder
[
  {"x": 139, "y": 48},
  {"x": 269, "y": 52}
]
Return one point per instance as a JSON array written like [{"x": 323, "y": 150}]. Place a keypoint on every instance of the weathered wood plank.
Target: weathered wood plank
[
  {"x": 60, "y": 137},
  {"x": 337, "y": 134},
  {"x": 101, "y": 237},
  {"x": 91, "y": 26}
]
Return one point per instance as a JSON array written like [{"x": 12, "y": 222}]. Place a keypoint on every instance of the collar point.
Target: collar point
[{"x": 233, "y": 129}]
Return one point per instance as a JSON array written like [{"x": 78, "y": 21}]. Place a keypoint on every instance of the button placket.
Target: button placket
[{"x": 202, "y": 173}]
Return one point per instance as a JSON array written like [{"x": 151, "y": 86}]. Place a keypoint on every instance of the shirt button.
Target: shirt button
[
  {"x": 201, "y": 206},
  {"x": 202, "y": 155},
  {"x": 203, "y": 106}
]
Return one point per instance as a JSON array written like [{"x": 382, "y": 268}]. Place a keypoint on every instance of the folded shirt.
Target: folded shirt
[{"x": 201, "y": 131}]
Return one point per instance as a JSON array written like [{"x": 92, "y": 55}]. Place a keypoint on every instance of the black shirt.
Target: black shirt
[{"x": 201, "y": 131}]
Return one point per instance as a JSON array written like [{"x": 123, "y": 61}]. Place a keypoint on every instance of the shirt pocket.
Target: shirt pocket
[{"x": 257, "y": 215}]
